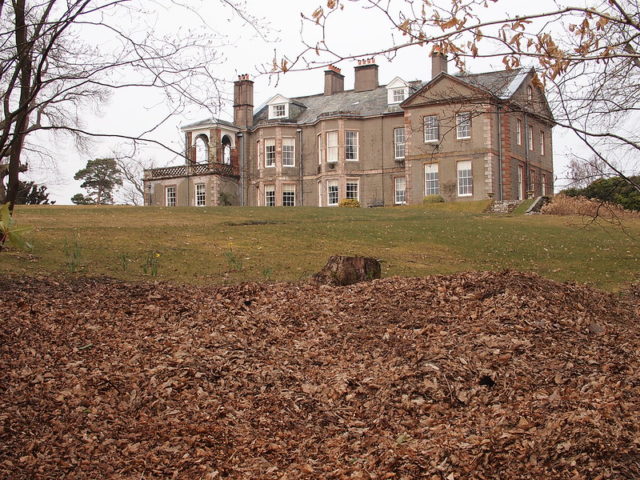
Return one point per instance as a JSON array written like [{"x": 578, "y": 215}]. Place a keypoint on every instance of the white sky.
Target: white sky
[{"x": 354, "y": 31}]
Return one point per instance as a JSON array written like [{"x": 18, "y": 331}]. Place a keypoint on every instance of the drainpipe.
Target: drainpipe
[
  {"x": 500, "y": 180},
  {"x": 381, "y": 157},
  {"x": 240, "y": 135},
  {"x": 299, "y": 131},
  {"x": 526, "y": 156}
]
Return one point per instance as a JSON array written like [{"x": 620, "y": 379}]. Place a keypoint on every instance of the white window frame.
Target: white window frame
[
  {"x": 463, "y": 125},
  {"x": 200, "y": 195},
  {"x": 349, "y": 135},
  {"x": 269, "y": 195},
  {"x": 518, "y": 132},
  {"x": 331, "y": 185},
  {"x": 431, "y": 179},
  {"x": 541, "y": 142},
  {"x": 268, "y": 144},
  {"x": 279, "y": 110},
  {"x": 400, "y": 194},
  {"x": 464, "y": 176},
  {"x": 398, "y": 143},
  {"x": 319, "y": 149},
  {"x": 398, "y": 95},
  {"x": 332, "y": 147},
  {"x": 170, "y": 196},
  {"x": 288, "y": 195},
  {"x": 289, "y": 152},
  {"x": 520, "y": 191},
  {"x": 431, "y": 128},
  {"x": 349, "y": 192},
  {"x": 543, "y": 183},
  {"x": 530, "y": 138}
]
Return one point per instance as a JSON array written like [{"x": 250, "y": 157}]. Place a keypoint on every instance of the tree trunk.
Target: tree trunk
[{"x": 23, "y": 49}]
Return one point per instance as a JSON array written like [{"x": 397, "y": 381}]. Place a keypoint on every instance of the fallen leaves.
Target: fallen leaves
[{"x": 482, "y": 375}]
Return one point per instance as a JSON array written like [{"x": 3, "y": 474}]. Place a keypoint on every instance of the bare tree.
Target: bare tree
[
  {"x": 587, "y": 57},
  {"x": 58, "y": 57}
]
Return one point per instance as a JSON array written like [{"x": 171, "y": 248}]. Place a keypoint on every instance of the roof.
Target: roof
[
  {"x": 207, "y": 123},
  {"x": 502, "y": 83},
  {"x": 349, "y": 102}
]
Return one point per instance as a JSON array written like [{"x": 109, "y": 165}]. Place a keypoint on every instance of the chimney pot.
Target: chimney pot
[
  {"x": 438, "y": 62},
  {"x": 333, "y": 80},
  {"x": 366, "y": 75}
]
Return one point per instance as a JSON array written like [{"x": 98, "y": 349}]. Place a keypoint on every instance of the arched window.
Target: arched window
[
  {"x": 226, "y": 150},
  {"x": 529, "y": 93},
  {"x": 202, "y": 149}
]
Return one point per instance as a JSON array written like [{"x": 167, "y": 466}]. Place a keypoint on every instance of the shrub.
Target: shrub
[
  {"x": 349, "y": 203},
  {"x": 566, "y": 205},
  {"x": 433, "y": 199}
]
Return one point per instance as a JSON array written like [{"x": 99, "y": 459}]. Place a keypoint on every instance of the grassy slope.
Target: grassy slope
[{"x": 199, "y": 245}]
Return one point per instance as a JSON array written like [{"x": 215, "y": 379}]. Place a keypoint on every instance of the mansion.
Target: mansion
[{"x": 463, "y": 137}]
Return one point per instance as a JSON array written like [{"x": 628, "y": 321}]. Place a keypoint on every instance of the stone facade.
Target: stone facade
[{"x": 464, "y": 137}]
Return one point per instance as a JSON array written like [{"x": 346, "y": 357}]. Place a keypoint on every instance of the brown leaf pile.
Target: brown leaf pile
[{"x": 470, "y": 376}]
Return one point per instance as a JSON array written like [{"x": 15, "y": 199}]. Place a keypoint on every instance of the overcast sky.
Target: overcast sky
[{"x": 354, "y": 31}]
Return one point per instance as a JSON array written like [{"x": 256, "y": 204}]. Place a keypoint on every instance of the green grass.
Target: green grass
[{"x": 231, "y": 244}]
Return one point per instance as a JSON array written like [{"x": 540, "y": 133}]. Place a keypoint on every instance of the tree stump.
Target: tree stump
[{"x": 343, "y": 270}]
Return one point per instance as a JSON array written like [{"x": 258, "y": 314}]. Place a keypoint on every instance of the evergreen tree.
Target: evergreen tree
[{"x": 100, "y": 177}]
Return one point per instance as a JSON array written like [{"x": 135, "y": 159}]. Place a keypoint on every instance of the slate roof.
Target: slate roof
[
  {"x": 502, "y": 83},
  {"x": 304, "y": 110},
  {"x": 349, "y": 102}
]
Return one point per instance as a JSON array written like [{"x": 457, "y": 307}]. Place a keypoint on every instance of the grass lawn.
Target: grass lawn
[{"x": 233, "y": 244}]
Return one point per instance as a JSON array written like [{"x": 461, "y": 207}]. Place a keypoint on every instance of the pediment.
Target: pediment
[
  {"x": 443, "y": 88},
  {"x": 277, "y": 99}
]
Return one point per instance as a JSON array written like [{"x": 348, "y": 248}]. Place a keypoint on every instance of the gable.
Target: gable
[{"x": 444, "y": 88}]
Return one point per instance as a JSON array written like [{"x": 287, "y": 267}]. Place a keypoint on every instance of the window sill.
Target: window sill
[
  {"x": 352, "y": 160},
  {"x": 431, "y": 141},
  {"x": 463, "y": 138},
  {"x": 465, "y": 194}
]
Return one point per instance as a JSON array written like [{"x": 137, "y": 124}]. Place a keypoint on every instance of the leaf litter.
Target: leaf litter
[{"x": 470, "y": 376}]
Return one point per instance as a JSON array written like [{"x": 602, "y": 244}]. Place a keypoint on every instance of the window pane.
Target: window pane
[
  {"x": 352, "y": 190},
  {"x": 431, "y": 180},
  {"x": 171, "y": 196},
  {"x": 288, "y": 152},
  {"x": 332, "y": 193},
  {"x": 398, "y": 138},
  {"x": 351, "y": 150},
  {"x": 270, "y": 196},
  {"x": 465, "y": 179},
  {"x": 332, "y": 146},
  {"x": 431, "y": 133},
  {"x": 398, "y": 95},
  {"x": 400, "y": 190},
  {"x": 270, "y": 153},
  {"x": 288, "y": 195},
  {"x": 200, "y": 195},
  {"x": 463, "y": 125}
]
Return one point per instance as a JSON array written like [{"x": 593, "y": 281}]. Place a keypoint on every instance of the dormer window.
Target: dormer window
[
  {"x": 278, "y": 111},
  {"x": 399, "y": 94},
  {"x": 397, "y": 91},
  {"x": 279, "y": 107}
]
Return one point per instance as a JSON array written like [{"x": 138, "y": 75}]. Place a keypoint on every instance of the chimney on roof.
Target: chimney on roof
[
  {"x": 438, "y": 62},
  {"x": 333, "y": 80},
  {"x": 243, "y": 102},
  {"x": 366, "y": 75}
]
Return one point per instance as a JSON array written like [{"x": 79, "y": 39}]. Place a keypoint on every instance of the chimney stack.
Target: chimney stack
[
  {"x": 366, "y": 75},
  {"x": 438, "y": 62},
  {"x": 243, "y": 102},
  {"x": 333, "y": 80}
]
